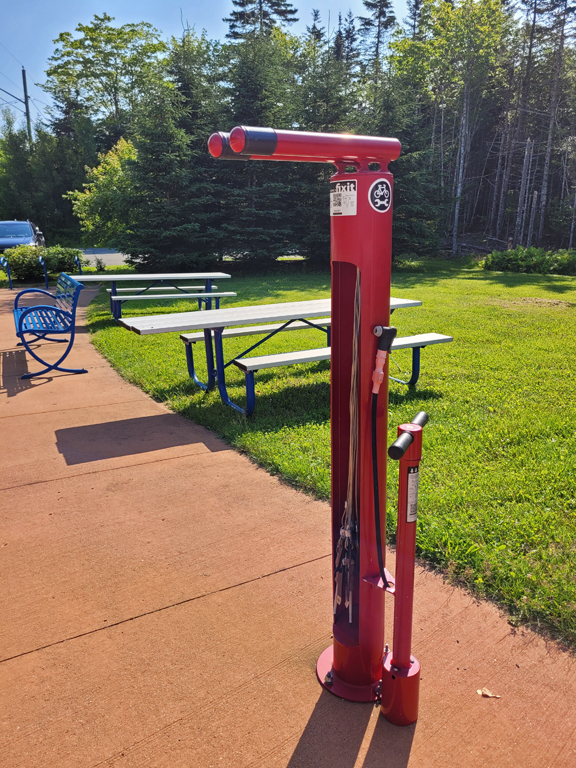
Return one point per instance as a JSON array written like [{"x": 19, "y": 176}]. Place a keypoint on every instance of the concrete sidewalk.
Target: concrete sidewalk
[{"x": 164, "y": 602}]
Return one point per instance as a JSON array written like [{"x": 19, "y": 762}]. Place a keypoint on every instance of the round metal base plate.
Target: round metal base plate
[{"x": 340, "y": 688}]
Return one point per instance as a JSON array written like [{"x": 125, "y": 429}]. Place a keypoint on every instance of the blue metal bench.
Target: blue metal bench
[{"x": 42, "y": 321}]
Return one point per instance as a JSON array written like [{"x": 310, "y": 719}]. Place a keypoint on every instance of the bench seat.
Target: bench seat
[
  {"x": 44, "y": 319},
  {"x": 324, "y": 353},
  {"x": 249, "y": 365}
]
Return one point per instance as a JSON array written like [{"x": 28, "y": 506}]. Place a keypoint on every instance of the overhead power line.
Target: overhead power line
[
  {"x": 25, "y": 101},
  {"x": 9, "y": 80},
  {"x": 11, "y": 54},
  {"x": 11, "y": 104}
]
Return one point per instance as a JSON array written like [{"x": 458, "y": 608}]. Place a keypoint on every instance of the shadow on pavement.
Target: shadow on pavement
[
  {"x": 13, "y": 364},
  {"x": 337, "y": 730},
  {"x": 129, "y": 437}
]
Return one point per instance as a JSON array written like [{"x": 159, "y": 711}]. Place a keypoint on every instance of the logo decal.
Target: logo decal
[{"x": 380, "y": 195}]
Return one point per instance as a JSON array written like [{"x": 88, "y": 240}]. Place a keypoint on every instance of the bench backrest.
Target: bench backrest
[{"x": 67, "y": 292}]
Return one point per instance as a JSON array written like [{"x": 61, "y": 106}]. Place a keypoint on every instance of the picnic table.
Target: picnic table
[
  {"x": 158, "y": 283},
  {"x": 300, "y": 313}
]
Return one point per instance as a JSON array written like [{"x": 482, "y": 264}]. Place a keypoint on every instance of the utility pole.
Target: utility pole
[{"x": 27, "y": 105}]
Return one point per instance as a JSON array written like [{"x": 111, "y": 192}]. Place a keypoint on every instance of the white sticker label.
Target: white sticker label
[
  {"x": 412, "y": 503},
  {"x": 343, "y": 196}
]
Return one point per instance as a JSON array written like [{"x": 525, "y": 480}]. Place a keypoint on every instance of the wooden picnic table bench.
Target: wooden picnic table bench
[{"x": 41, "y": 322}]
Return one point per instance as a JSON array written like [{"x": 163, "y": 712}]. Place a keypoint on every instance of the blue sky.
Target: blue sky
[{"x": 28, "y": 29}]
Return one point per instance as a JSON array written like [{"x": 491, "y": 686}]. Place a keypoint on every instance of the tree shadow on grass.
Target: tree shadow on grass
[
  {"x": 291, "y": 406},
  {"x": 553, "y": 283}
]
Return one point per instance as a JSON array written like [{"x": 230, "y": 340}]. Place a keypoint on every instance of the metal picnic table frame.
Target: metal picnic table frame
[
  {"x": 168, "y": 279},
  {"x": 218, "y": 319}
]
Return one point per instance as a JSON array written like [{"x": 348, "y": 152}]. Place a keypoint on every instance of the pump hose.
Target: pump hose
[{"x": 377, "y": 492}]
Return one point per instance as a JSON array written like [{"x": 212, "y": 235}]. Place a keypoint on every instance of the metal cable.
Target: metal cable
[{"x": 347, "y": 548}]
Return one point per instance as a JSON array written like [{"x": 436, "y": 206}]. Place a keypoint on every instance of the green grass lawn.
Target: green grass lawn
[{"x": 498, "y": 482}]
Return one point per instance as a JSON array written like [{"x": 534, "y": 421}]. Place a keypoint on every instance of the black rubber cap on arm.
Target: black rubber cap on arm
[
  {"x": 260, "y": 141},
  {"x": 421, "y": 419},
  {"x": 400, "y": 446}
]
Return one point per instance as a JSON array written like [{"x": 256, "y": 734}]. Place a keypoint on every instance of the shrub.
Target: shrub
[
  {"x": 532, "y": 260},
  {"x": 59, "y": 259},
  {"x": 25, "y": 266}
]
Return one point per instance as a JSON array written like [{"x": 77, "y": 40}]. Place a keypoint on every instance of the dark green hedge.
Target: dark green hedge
[{"x": 535, "y": 260}]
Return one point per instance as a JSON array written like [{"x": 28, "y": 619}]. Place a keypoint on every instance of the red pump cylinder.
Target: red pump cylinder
[{"x": 400, "y": 669}]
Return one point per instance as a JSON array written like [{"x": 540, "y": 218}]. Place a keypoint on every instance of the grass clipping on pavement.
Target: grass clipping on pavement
[{"x": 497, "y": 505}]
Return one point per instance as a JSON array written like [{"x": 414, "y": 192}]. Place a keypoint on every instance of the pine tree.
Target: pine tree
[
  {"x": 376, "y": 27},
  {"x": 258, "y": 16},
  {"x": 177, "y": 185},
  {"x": 262, "y": 87},
  {"x": 414, "y": 12},
  {"x": 351, "y": 52},
  {"x": 338, "y": 46}
]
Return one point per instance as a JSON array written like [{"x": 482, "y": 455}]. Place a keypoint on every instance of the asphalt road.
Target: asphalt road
[{"x": 109, "y": 257}]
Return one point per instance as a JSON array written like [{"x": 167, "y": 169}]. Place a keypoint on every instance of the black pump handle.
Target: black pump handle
[
  {"x": 405, "y": 440},
  {"x": 421, "y": 419}
]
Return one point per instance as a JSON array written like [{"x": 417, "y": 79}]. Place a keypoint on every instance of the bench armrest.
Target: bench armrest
[{"x": 32, "y": 290}]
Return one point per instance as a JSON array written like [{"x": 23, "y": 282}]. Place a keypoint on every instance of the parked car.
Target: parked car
[{"x": 13, "y": 233}]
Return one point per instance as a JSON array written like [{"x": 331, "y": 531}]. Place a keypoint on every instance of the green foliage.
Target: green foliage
[
  {"x": 105, "y": 67},
  {"x": 103, "y": 206},
  {"x": 498, "y": 475},
  {"x": 536, "y": 260},
  {"x": 454, "y": 85},
  {"x": 25, "y": 265}
]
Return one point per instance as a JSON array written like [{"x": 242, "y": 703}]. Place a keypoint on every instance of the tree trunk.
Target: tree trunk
[
  {"x": 532, "y": 217},
  {"x": 494, "y": 206},
  {"x": 460, "y": 169},
  {"x": 517, "y": 134},
  {"x": 554, "y": 100},
  {"x": 572, "y": 224},
  {"x": 522, "y": 196}
]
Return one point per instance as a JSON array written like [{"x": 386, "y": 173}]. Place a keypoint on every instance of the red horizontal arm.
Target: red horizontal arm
[
  {"x": 219, "y": 147},
  {"x": 267, "y": 142},
  {"x": 244, "y": 143}
]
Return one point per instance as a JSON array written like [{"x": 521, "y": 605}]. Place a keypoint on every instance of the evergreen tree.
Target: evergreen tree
[
  {"x": 338, "y": 45},
  {"x": 258, "y": 16},
  {"x": 262, "y": 78},
  {"x": 414, "y": 11},
  {"x": 376, "y": 27},
  {"x": 351, "y": 52}
]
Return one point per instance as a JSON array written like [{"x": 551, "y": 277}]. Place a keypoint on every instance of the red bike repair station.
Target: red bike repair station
[{"x": 358, "y": 666}]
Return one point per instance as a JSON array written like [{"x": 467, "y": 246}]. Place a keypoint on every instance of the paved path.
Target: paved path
[{"x": 164, "y": 602}]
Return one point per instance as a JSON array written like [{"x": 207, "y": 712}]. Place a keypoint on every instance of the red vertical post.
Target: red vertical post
[
  {"x": 401, "y": 670},
  {"x": 361, "y": 235},
  {"x": 361, "y": 247}
]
